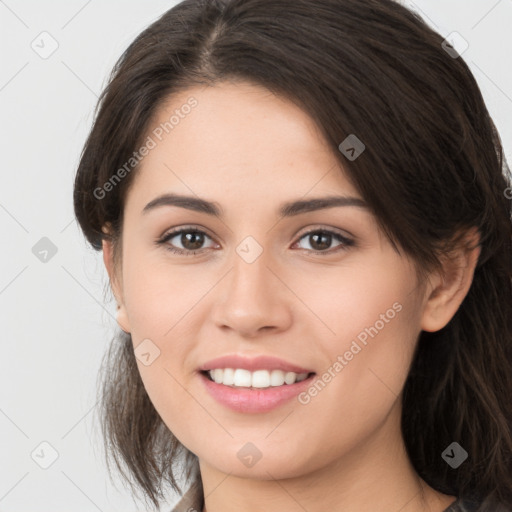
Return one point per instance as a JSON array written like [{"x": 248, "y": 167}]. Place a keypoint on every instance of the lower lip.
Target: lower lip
[{"x": 254, "y": 400}]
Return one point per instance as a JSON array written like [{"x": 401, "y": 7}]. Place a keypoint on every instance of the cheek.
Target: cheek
[
  {"x": 161, "y": 302},
  {"x": 360, "y": 385},
  {"x": 159, "y": 295},
  {"x": 369, "y": 365},
  {"x": 373, "y": 314},
  {"x": 374, "y": 297}
]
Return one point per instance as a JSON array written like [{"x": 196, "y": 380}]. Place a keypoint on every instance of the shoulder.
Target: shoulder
[{"x": 466, "y": 505}]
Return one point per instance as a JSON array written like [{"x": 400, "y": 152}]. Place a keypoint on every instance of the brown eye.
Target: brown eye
[
  {"x": 320, "y": 241},
  {"x": 191, "y": 240}
]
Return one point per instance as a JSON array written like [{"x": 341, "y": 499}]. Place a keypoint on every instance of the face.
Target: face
[{"x": 318, "y": 288}]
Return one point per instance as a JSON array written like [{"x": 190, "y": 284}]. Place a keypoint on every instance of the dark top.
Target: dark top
[{"x": 193, "y": 501}]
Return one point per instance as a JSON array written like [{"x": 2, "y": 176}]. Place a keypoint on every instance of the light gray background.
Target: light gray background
[{"x": 56, "y": 316}]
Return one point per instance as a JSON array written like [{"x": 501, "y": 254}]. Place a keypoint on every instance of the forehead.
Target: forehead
[{"x": 237, "y": 135}]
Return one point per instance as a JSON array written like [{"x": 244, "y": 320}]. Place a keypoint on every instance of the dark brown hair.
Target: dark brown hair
[{"x": 433, "y": 167}]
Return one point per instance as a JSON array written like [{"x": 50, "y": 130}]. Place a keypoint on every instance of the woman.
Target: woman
[{"x": 305, "y": 218}]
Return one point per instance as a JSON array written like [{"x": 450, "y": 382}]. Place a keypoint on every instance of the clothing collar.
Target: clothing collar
[{"x": 192, "y": 500}]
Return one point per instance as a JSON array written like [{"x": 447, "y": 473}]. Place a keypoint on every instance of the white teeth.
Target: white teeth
[
  {"x": 228, "y": 376},
  {"x": 258, "y": 379},
  {"x": 276, "y": 378},
  {"x": 241, "y": 377},
  {"x": 217, "y": 376},
  {"x": 289, "y": 377}
]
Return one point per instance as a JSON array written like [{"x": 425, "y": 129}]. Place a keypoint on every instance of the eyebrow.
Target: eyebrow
[{"x": 287, "y": 209}]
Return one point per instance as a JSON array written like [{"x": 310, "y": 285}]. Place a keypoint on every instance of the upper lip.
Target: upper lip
[{"x": 252, "y": 364}]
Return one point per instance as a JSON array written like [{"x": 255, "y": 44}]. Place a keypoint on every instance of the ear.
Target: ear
[
  {"x": 448, "y": 288},
  {"x": 115, "y": 284}
]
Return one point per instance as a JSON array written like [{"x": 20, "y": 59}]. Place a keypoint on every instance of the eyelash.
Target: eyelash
[{"x": 346, "y": 243}]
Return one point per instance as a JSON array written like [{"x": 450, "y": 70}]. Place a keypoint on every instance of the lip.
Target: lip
[
  {"x": 252, "y": 364},
  {"x": 254, "y": 400}
]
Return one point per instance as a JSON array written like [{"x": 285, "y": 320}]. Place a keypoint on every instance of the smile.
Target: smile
[
  {"x": 240, "y": 377},
  {"x": 252, "y": 399}
]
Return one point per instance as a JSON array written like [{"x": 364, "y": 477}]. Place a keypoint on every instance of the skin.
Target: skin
[{"x": 249, "y": 151}]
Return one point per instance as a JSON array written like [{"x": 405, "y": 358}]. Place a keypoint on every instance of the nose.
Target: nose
[{"x": 252, "y": 299}]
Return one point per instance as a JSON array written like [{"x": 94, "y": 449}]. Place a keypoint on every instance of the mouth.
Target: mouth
[
  {"x": 243, "y": 395},
  {"x": 259, "y": 379},
  {"x": 253, "y": 384}
]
